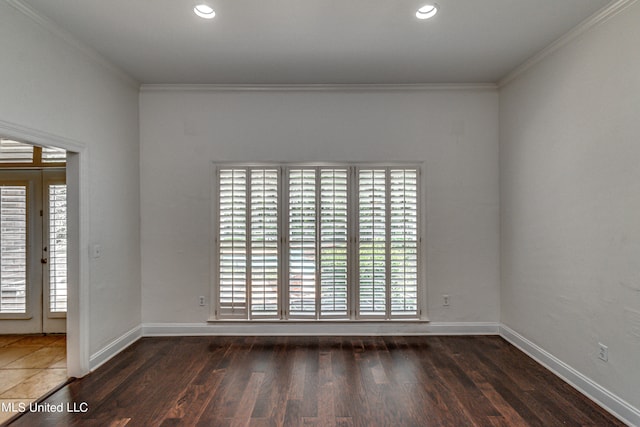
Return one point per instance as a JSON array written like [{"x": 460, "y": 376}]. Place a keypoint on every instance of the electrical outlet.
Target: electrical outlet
[
  {"x": 446, "y": 300},
  {"x": 201, "y": 300},
  {"x": 603, "y": 352}
]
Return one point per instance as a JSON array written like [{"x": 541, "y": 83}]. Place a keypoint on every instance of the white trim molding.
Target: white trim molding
[
  {"x": 593, "y": 21},
  {"x": 410, "y": 87},
  {"x": 115, "y": 347},
  {"x": 603, "y": 397},
  {"x": 38, "y": 137},
  {"x": 328, "y": 328}
]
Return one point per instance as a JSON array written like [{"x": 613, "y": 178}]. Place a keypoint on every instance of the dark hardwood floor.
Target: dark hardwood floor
[{"x": 321, "y": 381}]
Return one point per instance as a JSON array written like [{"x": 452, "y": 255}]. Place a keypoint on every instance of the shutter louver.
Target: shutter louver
[
  {"x": 15, "y": 152},
  {"x": 302, "y": 242},
  {"x": 232, "y": 212},
  {"x": 264, "y": 242},
  {"x": 372, "y": 238},
  {"x": 404, "y": 242},
  {"x": 13, "y": 249},
  {"x": 53, "y": 155},
  {"x": 333, "y": 243}
]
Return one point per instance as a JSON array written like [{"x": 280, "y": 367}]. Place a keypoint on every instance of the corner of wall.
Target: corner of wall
[
  {"x": 115, "y": 347},
  {"x": 619, "y": 408}
]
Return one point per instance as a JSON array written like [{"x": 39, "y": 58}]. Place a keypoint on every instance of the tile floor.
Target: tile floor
[{"x": 30, "y": 366}]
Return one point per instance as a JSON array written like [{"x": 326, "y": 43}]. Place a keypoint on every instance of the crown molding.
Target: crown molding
[
  {"x": 490, "y": 87},
  {"x": 72, "y": 42},
  {"x": 585, "y": 26}
]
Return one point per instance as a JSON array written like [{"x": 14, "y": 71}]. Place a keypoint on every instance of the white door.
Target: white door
[{"x": 32, "y": 252}]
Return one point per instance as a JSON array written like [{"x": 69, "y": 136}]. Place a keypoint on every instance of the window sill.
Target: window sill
[
  {"x": 314, "y": 321},
  {"x": 57, "y": 315},
  {"x": 330, "y": 327},
  {"x": 15, "y": 316}
]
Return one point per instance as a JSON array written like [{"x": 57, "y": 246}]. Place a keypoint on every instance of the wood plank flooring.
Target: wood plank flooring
[
  {"x": 30, "y": 366},
  {"x": 321, "y": 381}
]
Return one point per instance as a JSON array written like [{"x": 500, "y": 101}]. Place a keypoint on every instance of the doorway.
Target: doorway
[
  {"x": 77, "y": 175},
  {"x": 33, "y": 270},
  {"x": 33, "y": 239}
]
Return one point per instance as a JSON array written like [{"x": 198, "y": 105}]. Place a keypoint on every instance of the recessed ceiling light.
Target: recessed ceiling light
[
  {"x": 427, "y": 11},
  {"x": 204, "y": 11}
]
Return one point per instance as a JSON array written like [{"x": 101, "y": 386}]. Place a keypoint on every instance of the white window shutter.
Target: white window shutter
[
  {"x": 302, "y": 243},
  {"x": 13, "y": 249},
  {"x": 372, "y": 242},
  {"x": 287, "y": 249},
  {"x": 264, "y": 238},
  {"x": 57, "y": 248},
  {"x": 232, "y": 242},
  {"x": 333, "y": 243},
  {"x": 15, "y": 152},
  {"x": 404, "y": 242}
]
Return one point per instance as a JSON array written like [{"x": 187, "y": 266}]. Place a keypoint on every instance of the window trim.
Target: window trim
[{"x": 284, "y": 168}]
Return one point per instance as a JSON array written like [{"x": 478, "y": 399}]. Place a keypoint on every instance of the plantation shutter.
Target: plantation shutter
[
  {"x": 13, "y": 249},
  {"x": 264, "y": 239},
  {"x": 318, "y": 244},
  {"x": 302, "y": 242},
  {"x": 372, "y": 242},
  {"x": 232, "y": 246},
  {"x": 404, "y": 242},
  {"x": 318, "y": 239},
  {"x": 333, "y": 243},
  {"x": 388, "y": 242},
  {"x": 57, "y": 248},
  {"x": 15, "y": 152},
  {"x": 53, "y": 155}
]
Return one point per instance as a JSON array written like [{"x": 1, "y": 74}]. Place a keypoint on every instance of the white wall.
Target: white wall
[
  {"x": 454, "y": 132},
  {"x": 570, "y": 197},
  {"x": 48, "y": 86}
]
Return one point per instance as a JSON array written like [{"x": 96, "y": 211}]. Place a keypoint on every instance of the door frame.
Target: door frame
[{"x": 78, "y": 237}]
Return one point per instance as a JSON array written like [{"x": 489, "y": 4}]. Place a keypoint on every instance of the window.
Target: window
[
  {"x": 16, "y": 154},
  {"x": 316, "y": 242}
]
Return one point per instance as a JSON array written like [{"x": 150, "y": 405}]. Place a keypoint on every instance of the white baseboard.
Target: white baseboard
[
  {"x": 603, "y": 397},
  {"x": 319, "y": 328},
  {"x": 103, "y": 355}
]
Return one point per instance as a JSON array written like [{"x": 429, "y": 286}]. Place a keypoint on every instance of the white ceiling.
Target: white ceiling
[{"x": 317, "y": 41}]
